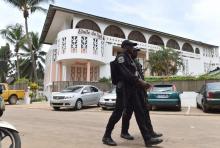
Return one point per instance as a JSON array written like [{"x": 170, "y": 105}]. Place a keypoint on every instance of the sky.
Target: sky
[{"x": 194, "y": 19}]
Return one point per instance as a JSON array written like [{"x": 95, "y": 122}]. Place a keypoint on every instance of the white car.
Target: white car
[
  {"x": 76, "y": 97},
  {"x": 108, "y": 100}
]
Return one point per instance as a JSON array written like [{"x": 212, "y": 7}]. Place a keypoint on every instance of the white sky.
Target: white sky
[{"x": 195, "y": 19}]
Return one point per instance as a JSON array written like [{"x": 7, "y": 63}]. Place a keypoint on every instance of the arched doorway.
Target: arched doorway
[
  {"x": 88, "y": 24},
  {"x": 173, "y": 44},
  {"x": 114, "y": 31},
  {"x": 187, "y": 47},
  {"x": 156, "y": 40},
  {"x": 137, "y": 36}
]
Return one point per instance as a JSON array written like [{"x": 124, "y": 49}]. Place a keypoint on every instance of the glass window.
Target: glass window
[
  {"x": 162, "y": 88},
  {"x": 2, "y": 87},
  {"x": 88, "y": 89},
  {"x": 75, "y": 89},
  {"x": 213, "y": 86},
  {"x": 93, "y": 89}
]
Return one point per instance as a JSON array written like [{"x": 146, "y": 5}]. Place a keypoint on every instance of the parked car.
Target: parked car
[
  {"x": 76, "y": 97},
  {"x": 209, "y": 96},
  {"x": 108, "y": 100},
  {"x": 164, "y": 95},
  {"x": 11, "y": 96}
]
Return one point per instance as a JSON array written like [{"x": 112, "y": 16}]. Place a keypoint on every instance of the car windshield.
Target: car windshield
[
  {"x": 213, "y": 86},
  {"x": 74, "y": 89},
  {"x": 162, "y": 88},
  {"x": 112, "y": 91}
]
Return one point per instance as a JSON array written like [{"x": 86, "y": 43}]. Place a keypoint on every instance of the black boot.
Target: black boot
[
  {"x": 127, "y": 136},
  {"x": 156, "y": 135},
  {"x": 152, "y": 141},
  {"x": 109, "y": 141}
]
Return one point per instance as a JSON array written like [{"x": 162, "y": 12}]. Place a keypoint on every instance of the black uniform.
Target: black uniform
[
  {"x": 117, "y": 113},
  {"x": 133, "y": 99},
  {"x": 128, "y": 111}
]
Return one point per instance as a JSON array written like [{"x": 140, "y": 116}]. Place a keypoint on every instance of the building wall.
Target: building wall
[{"x": 62, "y": 50}]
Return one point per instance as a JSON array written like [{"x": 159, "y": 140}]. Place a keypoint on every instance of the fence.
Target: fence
[
  {"x": 180, "y": 85},
  {"x": 187, "y": 85}
]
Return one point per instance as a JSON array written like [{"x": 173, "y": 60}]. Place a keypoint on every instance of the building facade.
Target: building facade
[{"x": 82, "y": 46}]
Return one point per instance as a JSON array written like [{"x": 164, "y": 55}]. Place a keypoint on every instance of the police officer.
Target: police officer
[
  {"x": 130, "y": 81},
  {"x": 121, "y": 103},
  {"x": 143, "y": 94}
]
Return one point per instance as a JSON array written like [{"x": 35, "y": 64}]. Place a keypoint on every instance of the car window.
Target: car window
[
  {"x": 93, "y": 89},
  {"x": 74, "y": 89},
  {"x": 213, "y": 86},
  {"x": 2, "y": 87},
  {"x": 88, "y": 89},
  {"x": 162, "y": 88}
]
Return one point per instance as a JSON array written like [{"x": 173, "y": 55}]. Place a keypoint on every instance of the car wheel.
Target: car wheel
[
  {"x": 179, "y": 108},
  {"x": 204, "y": 107},
  {"x": 1, "y": 112},
  {"x": 197, "y": 105},
  {"x": 56, "y": 108},
  {"x": 78, "y": 104},
  {"x": 13, "y": 100},
  {"x": 104, "y": 108}
]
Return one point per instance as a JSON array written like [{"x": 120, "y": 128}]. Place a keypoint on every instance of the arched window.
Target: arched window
[
  {"x": 114, "y": 31},
  {"x": 197, "y": 51},
  {"x": 137, "y": 36},
  {"x": 156, "y": 40},
  {"x": 187, "y": 47},
  {"x": 88, "y": 24},
  {"x": 173, "y": 44}
]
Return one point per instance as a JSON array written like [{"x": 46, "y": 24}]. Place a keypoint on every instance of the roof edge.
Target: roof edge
[{"x": 53, "y": 9}]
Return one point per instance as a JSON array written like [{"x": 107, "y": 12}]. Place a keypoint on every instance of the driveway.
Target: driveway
[{"x": 39, "y": 126}]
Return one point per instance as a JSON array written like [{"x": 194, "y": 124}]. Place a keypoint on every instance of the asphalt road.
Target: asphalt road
[{"x": 40, "y": 127}]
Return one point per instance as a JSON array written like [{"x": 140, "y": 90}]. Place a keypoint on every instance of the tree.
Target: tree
[
  {"x": 5, "y": 62},
  {"x": 27, "y": 7},
  {"x": 15, "y": 36},
  {"x": 165, "y": 62},
  {"x": 39, "y": 57}
]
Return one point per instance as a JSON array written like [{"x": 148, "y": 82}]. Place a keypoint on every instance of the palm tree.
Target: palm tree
[
  {"x": 165, "y": 62},
  {"x": 15, "y": 36},
  {"x": 5, "y": 62},
  {"x": 27, "y": 7},
  {"x": 39, "y": 57}
]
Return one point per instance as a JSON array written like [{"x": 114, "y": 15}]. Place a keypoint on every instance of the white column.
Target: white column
[
  {"x": 88, "y": 71},
  {"x": 64, "y": 72}
]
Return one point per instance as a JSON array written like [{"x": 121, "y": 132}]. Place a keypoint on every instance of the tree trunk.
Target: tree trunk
[
  {"x": 17, "y": 65},
  {"x": 30, "y": 47}
]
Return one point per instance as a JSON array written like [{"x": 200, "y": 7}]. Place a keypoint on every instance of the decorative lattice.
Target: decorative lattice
[
  {"x": 95, "y": 46},
  {"x": 102, "y": 48},
  {"x": 84, "y": 44},
  {"x": 74, "y": 44},
  {"x": 54, "y": 54},
  {"x": 63, "y": 45}
]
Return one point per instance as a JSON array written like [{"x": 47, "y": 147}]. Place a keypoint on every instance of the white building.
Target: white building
[{"x": 82, "y": 45}]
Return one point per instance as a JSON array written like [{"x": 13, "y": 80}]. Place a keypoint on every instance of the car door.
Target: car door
[
  {"x": 86, "y": 96},
  {"x": 95, "y": 95},
  {"x": 200, "y": 95},
  {"x": 4, "y": 92}
]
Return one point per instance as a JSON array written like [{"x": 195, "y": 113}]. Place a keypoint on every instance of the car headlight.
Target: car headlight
[
  {"x": 101, "y": 99},
  {"x": 69, "y": 97}
]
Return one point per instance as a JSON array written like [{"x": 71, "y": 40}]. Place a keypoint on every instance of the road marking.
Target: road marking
[{"x": 188, "y": 110}]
